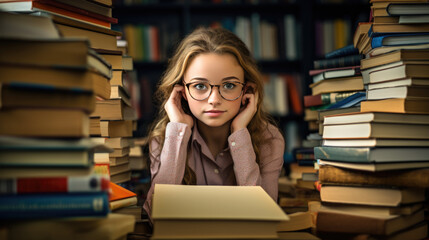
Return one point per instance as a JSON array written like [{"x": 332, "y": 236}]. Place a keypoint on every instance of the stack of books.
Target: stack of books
[
  {"x": 47, "y": 96},
  {"x": 50, "y": 86},
  {"x": 373, "y": 169},
  {"x": 374, "y": 163}
]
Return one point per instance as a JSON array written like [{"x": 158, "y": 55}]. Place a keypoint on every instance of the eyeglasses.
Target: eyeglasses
[{"x": 230, "y": 90}]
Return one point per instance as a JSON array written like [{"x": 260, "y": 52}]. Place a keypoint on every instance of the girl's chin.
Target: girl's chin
[{"x": 215, "y": 123}]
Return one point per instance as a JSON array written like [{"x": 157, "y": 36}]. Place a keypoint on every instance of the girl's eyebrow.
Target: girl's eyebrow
[{"x": 224, "y": 79}]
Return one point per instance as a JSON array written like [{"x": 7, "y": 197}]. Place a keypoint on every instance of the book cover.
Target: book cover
[
  {"x": 341, "y": 222},
  {"x": 368, "y": 155},
  {"x": 361, "y": 117},
  {"x": 371, "y": 195},
  {"x": 89, "y": 183},
  {"x": 417, "y": 178},
  {"x": 376, "y": 130},
  {"x": 38, "y": 206},
  {"x": 229, "y": 211},
  {"x": 396, "y": 105}
]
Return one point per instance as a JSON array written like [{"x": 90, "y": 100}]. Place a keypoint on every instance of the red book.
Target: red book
[{"x": 90, "y": 183}]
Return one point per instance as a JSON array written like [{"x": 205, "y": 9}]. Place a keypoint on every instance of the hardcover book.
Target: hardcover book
[{"x": 193, "y": 212}]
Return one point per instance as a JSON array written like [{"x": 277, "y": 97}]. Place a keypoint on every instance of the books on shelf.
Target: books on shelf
[{"x": 217, "y": 211}]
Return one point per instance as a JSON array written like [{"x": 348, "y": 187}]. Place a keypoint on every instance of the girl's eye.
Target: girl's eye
[
  {"x": 229, "y": 86},
  {"x": 200, "y": 86}
]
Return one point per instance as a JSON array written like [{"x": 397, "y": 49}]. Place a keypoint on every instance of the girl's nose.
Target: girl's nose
[{"x": 215, "y": 96}]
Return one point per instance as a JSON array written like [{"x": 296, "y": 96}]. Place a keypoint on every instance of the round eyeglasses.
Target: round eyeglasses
[{"x": 229, "y": 90}]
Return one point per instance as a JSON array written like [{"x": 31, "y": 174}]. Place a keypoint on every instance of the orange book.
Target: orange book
[{"x": 119, "y": 192}]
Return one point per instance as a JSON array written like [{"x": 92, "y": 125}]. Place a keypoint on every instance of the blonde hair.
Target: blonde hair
[{"x": 208, "y": 40}]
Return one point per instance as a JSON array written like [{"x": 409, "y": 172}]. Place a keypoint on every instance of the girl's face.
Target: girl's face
[{"x": 214, "y": 69}]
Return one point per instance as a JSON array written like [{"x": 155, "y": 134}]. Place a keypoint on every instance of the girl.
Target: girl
[{"x": 211, "y": 129}]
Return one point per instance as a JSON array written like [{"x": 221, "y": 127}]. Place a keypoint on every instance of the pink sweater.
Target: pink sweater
[{"x": 235, "y": 165}]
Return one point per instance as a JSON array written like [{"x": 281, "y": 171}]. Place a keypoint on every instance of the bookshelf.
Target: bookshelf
[{"x": 175, "y": 19}]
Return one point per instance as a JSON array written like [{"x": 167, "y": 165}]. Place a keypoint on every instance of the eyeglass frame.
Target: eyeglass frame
[{"x": 211, "y": 91}]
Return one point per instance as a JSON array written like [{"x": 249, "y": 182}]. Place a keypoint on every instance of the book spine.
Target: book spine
[
  {"x": 403, "y": 178},
  {"x": 31, "y": 206},
  {"x": 346, "y": 223},
  {"x": 54, "y": 185},
  {"x": 341, "y": 52},
  {"x": 346, "y": 61},
  {"x": 342, "y": 154}
]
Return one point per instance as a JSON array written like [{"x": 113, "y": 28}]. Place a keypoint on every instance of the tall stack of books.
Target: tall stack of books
[
  {"x": 45, "y": 122},
  {"x": 374, "y": 164},
  {"x": 50, "y": 85}
]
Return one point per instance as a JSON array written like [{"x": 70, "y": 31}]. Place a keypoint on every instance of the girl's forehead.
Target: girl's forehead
[{"x": 214, "y": 66}]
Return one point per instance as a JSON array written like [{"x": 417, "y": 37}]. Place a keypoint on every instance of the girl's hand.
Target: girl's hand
[
  {"x": 174, "y": 109},
  {"x": 247, "y": 111}
]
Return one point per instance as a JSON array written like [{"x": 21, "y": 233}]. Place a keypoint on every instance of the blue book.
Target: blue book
[
  {"x": 399, "y": 39},
  {"x": 32, "y": 206},
  {"x": 350, "y": 101}
]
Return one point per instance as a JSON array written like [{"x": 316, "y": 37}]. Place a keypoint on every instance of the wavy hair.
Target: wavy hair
[{"x": 208, "y": 40}]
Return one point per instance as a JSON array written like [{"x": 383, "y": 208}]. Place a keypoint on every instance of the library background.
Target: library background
[{"x": 347, "y": 82}]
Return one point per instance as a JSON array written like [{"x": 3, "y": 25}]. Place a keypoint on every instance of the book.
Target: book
[
  {"x": 28, "y": 172},
  {"x": 395, "y": 9},
  {"x": 217, "y": 211},
  {"x": 361, "y": 117},
  {"x": 337, "y": 85},
  {"x": 416, "y": 178},
  {"x": 399, "y": 39},
  {"x": 350, "y": 101},
  {"x": 411, "y": 82},
  {"x": 59, "y": 8},
  {"x": 122, "y": 203},
  {"x": 38, "y": 206},
  {"x": 407, "y": 92},
  {"x": 39, "y": 122},
  {"x": 14, "y": 95},
  {"x": 64, "y": 52},
  {"x": 90, "y": 6},
  {"x": 395, "y": 56},
  {"x": 89, "y": 183},
  {"x": 365, "y": 73},
  {"x": 368, "y": 155},
  {"x": 397, "y": 105},
  {"x": 343, "y": 222},
  {"x": 119, "y": 92},
  {"x": 113, "y": 109},
  {"x": 407, "y": 19},
  {"x": 325, "y": 98},
  {"x": 377, "y": 29},
  {"x": 344, "y": 51},
  {"x": 113, "y": 226},
  {"x": 99, "y": 37},
  {"x": 376, "y": 130},
  {"x": 117, "y": 169},
  {"x": 336, "y": 74},
  {"x": 417, "y": 231},
  {"x": 119, "y": 128},
  {"x": 373, "y": 142},
  {"x": 407, "y": 209},
  {"x": 70, "y": 78},
  {"x": 120, "y": 177},
  {"x": 23, "y": 26},
  {"x": 326, "y": 112},
  {"x": 400, "y": 72},
  {"x": 386, "y": 49},
  {"x": 297, "y": 221},
  {"x": 345, "y": 61},
  {"x": 371, "y": 195}
]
